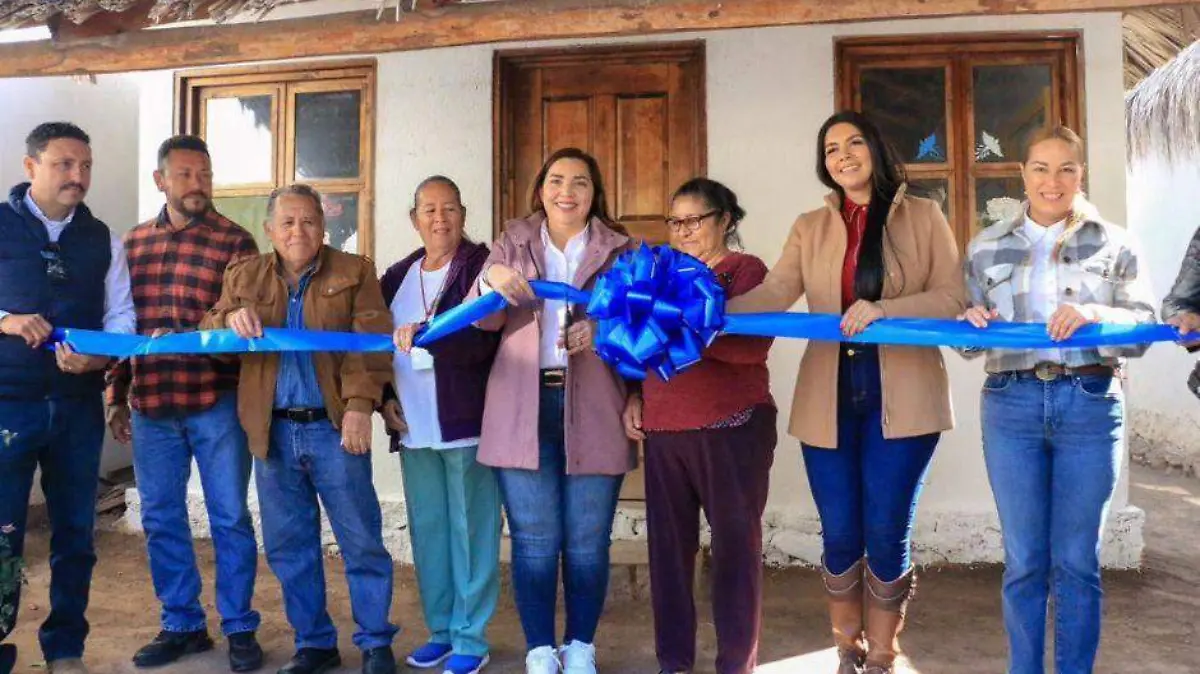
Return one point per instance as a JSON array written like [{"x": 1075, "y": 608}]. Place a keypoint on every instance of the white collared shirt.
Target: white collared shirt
[
  {"x": 119, "y": 313},
  {"x": 1043, "y": 281},
  {"x": 561, "y": 266}
]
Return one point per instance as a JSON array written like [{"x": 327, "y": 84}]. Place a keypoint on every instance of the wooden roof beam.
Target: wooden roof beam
[{"x": 360, "y": 33}]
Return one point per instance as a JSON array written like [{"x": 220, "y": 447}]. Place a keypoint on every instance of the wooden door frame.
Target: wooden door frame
[{"x": 503, "y": 61}]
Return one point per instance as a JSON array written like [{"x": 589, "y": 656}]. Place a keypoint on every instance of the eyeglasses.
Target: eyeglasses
[
  {"x": 689, "y": 223},
  {"x": 56, "y": 267}
]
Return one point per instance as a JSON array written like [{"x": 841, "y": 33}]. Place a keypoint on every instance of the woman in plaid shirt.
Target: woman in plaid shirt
[{"x": 1053, "y": 419}]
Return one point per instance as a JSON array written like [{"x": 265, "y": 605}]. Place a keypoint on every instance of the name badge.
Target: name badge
[{"x": 421, "y": 359}]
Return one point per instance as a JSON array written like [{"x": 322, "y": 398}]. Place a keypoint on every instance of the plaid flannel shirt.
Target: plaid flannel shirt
[
  {"x": 176, "y": 277},
  {"x": 1097, "y": 267}
]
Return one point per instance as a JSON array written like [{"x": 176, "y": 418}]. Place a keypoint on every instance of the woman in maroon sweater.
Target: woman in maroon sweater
[{"x": 710, "y": 442}]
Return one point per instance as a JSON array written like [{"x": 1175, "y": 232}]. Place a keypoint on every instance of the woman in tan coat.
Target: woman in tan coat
[{"x": 868, "y": 418}]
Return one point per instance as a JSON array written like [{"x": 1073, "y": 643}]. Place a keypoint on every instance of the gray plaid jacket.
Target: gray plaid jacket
[{"x": 1097, "y": 266}]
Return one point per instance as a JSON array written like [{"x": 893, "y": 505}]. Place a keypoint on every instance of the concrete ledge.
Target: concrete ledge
[
  {"x": 1163, "y": 440},
  {"x": 789, "y": 538}
]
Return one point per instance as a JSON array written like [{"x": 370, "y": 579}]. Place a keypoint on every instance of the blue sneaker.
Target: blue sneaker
[
  {"x": 430, "y": 655},
  {"x": 466, "y": 664}
]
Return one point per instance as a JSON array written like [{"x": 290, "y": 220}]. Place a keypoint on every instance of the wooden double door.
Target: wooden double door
[{"x": 639, "y": 110}]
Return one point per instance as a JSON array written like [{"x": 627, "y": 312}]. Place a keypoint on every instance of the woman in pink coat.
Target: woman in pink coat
[{"x": 552, "y": 417}]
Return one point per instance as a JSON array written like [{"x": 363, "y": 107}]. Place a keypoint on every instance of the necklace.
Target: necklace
[{"x": 425, "y": 306}]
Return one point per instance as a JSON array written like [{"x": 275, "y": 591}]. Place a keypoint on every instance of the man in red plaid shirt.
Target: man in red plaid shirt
[{"x": 184, "y": 408}]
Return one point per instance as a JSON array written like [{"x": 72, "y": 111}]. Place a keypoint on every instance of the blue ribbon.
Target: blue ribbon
[
  {"x": 656, "y": 310},
  {"x": 213, "y": 342}
]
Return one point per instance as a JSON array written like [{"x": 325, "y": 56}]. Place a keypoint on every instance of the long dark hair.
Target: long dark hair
[
  {"x": 887, "y": 175},
  {"x": 599, "y": 207},
  {"x": 717, "y": 197}
]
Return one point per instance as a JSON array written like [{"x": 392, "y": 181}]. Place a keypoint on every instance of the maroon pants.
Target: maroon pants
[{"x": 725, "y": 472}]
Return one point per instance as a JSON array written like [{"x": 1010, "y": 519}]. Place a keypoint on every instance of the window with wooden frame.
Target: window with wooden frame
[
  {"x": 959, "y": 111},
  {"x": 270, "y": 126}
]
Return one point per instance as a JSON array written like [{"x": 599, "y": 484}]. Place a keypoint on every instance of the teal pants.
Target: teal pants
[{"x": 454, "y": 520}]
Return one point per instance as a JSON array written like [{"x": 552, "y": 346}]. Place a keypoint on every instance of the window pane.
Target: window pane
[
  {"x": 341, "y": 221},
  {"x": 909, "y": 105},
  {"x": 238, "y": 131},
  {"x": 1011, "y": 103},
  {"x": 327, "y": 127},
  {"x": 250, "y": 213},
  {"x": 997, "y": 200},
  {"x": 932, "y": 188}
]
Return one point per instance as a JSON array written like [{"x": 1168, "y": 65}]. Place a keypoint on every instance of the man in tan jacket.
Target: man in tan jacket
[{"x": 307, "y": 417}]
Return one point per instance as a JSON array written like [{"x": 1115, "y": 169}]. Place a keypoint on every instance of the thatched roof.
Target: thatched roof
[
  {"x": 1162, "y": 113},
  {"x": 15, "y": 13},
  {"x": 1155, "y": 36},
  {"x": 24, "y": 12}
]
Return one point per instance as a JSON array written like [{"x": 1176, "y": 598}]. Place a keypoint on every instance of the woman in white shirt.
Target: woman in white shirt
[
  {"x": 453, "y": 501},
  {"x": 1053, "y": 418}
]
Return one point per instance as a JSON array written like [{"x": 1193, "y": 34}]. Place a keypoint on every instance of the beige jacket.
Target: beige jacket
[{"x": 924, "y": 280}]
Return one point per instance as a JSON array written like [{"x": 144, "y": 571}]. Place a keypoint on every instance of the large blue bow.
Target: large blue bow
[{"x": 656, "y": 309}]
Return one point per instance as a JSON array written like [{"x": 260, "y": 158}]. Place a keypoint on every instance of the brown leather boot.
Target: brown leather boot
[
  {"x": 886, "y": 605},
  {"x": 844, "y": 592}
]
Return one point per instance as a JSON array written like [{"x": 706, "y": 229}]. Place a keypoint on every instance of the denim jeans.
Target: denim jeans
[
  {"x": 163, "y": 449},
  {"x": 1053, "y": 453},
  {"x": 866, "y": 489},
  {"x": 305, "y": 463},
  {"x": 552, "y": 515},
  {"x": 64, "y": 436}
]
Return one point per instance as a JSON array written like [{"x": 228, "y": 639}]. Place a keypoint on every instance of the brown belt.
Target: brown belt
[
  {"x": 1046, "y": 371},
  {"x": 555, "y": 378}
]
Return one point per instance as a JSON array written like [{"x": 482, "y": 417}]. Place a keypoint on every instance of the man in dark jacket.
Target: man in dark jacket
[
  {"x": 1181, "y": 307},
  {"x": 60, "y": 267}
]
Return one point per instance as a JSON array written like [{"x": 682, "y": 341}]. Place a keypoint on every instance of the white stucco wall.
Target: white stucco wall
[
  {"x": 108, "y": 112},
  {"x": 768, "y": 92},
  {"x": 1163, "y": 211}
]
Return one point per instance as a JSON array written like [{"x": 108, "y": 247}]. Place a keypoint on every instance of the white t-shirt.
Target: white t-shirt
[
  {"x": 418, "y": 388},
  {"x": 1043, "y": 280}
]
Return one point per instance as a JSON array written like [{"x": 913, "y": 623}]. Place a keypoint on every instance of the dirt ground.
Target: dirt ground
[{"x": 1152, "y": 623}]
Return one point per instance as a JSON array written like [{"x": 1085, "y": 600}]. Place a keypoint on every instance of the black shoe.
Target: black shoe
[
  {"x": 245, "y": 655},
  {"x": 168, "y": 647},
  {"x": 8, "y": 658},
  {"x": 313, "y": 661},
  {"x": 379, "y": 661}
]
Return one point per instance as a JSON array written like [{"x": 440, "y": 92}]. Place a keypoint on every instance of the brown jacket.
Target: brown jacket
[
  {"x": 343, "y": 296},
  {"x": 924, "y": 280},
  {"x": 595, "y": 437}
]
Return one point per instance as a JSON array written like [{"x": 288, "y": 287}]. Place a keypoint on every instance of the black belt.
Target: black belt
[
  {"x": 1046, "y": 371},
  {"x": 301, "y": 415},
  {"x": 555, "y": 378}
]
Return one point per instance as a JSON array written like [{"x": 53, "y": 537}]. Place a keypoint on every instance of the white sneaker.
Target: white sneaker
[
  {"x": 542, "y": 660},
  {"x": 579, "y": 658},
  {"x": 66, "y": 666}
]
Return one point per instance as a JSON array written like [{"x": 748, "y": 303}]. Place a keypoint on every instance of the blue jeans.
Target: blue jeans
[
  {"x": 163, "y": 449},
  {"x": 866, "y": 489},
  {"x": 552, "y": 515},
  {"x": 63, "y": 436},
  {"x": 1053, "y": 453},
  {"x": 305, "y": 463}
]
